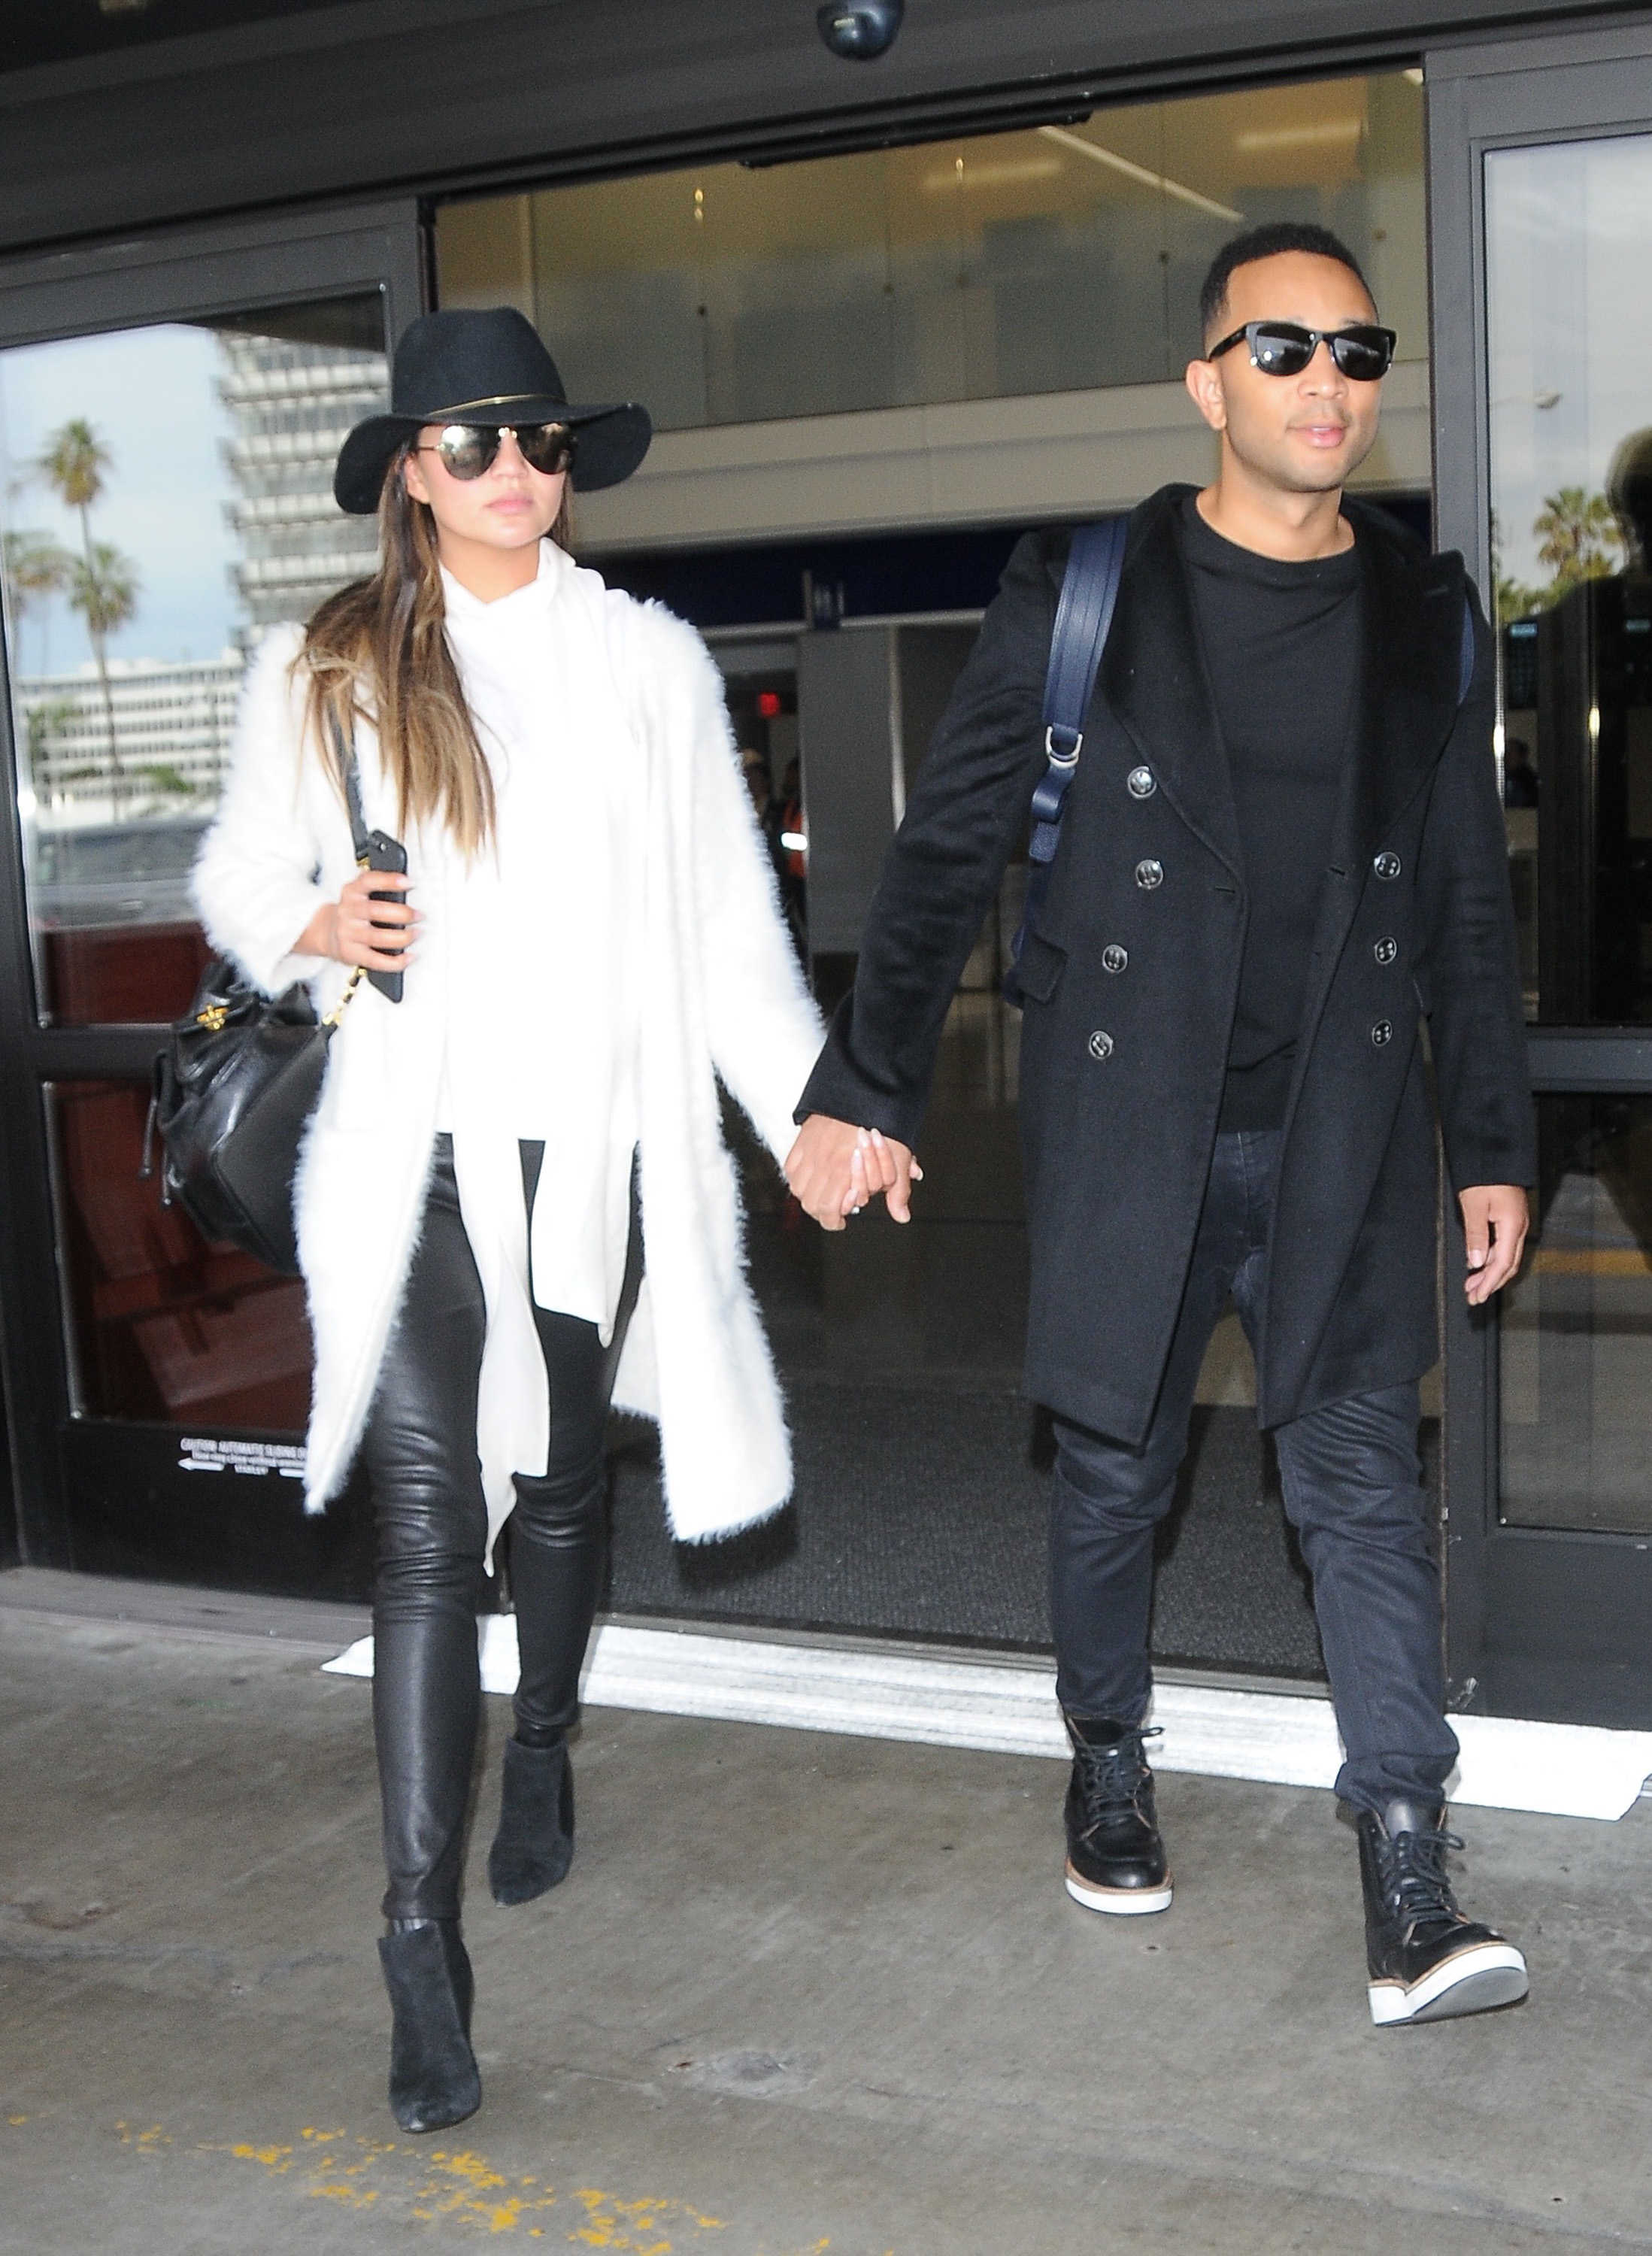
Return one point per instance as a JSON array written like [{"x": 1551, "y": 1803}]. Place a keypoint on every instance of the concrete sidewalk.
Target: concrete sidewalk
[{"x": 800, "y": 1994}]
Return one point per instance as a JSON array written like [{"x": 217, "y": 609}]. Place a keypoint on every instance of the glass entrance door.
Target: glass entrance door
[
  {"x": 165, "y": 463},
  {"x": 1551, "y": 1503}
]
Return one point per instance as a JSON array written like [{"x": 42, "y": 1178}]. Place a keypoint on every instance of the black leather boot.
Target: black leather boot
[
  {"x": 433, "y": 2071},
  {"x": 1427, "y": 1962},
  {"x": 1115, "y": 1859},
  {"x": 534, "y": 1845}
]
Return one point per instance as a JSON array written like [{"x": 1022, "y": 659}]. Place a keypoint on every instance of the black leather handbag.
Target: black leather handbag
[{"x": 233, "y": 1090}]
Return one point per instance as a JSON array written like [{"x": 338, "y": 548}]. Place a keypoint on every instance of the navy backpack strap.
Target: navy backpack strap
[{"x": 1089, "y": 592}]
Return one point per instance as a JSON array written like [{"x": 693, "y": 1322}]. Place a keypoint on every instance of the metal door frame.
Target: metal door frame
[
  {"x": 176, "y": 275},
  {"x": 1539, "y": 1622}
]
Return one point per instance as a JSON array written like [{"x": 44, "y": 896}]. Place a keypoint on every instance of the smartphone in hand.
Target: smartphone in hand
[{"x": 386, "y": 853}]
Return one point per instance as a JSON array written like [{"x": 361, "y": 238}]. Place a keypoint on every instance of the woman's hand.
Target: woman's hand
[
  {"x": 835, "y": 1167},
  {"x": 355, "y": 929}
]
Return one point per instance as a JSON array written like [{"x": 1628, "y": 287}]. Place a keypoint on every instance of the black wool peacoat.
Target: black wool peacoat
[{"x": 1132, "y": 978}]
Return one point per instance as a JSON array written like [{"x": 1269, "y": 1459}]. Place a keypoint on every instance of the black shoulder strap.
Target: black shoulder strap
[
  {"x": 1083, "y": 614},
  {"x": 345, "y": 755},
  {"x": 1089, "y": 591}
]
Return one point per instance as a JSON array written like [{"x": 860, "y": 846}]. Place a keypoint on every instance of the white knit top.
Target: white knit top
[{"x": 542, "y": 924}]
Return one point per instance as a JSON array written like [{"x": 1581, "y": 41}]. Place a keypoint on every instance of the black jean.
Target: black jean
[
  {"x": 432, "y": 1524},
  {"x": 1352, "y": 1491}
]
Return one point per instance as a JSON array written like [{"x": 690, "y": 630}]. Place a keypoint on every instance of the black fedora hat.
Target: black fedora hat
[{"x": 484, "y": 367}]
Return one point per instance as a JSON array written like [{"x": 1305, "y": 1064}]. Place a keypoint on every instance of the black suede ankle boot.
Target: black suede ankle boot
[
  {"x": 534, "y": 1845},
  {"x": 433, "y": 2071}
]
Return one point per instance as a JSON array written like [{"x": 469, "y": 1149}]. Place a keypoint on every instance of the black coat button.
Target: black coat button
[
  {"x": 1387, "y": 865},
  {"x": 1141, "y": 783},
  {"x": 1100, "y": 1044},
  {"x": 1149, "y": 874},
  {"x": 1385, "y": 950},
  {"x": 1382, "y": 1034},
  {"x": 1114, "y": 958}
]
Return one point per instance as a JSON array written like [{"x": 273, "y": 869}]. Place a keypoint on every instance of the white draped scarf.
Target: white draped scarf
[{"x": 541, "y": 1025}]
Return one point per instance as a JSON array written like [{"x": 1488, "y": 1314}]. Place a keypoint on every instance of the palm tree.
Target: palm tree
[
  {"x": 45, "y": 724},
  {"x": 1580, "y": 537},
  {"x": 36, "y": 569},
  {"x": 103, "y": 590},
  {"x": 73, "y": 465}
]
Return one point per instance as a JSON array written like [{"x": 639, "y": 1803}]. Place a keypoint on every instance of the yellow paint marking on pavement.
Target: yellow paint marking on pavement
[
  {"x": 15, "y": 2119},
  {"x": 472, "y": 2179},
  {"x": 146, "y": 2142},
  {"x": 474, "y": 2169},
  {"x": 636, "y": 2227},
  {"x": 457, "y": 2186},
  {"x": 350, "y": 2196},
  {"x": 334, "y": 2179},
  {"x": 631, "y": 2225}
]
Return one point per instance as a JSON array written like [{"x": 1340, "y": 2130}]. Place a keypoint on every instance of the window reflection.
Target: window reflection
[
  {"x": 1060, "y": 258},
  {"x": 166, "y": 494},
  {"x": 1569, "y": 235},
  {"x": 162, "y": 1325},
  {"x": 1576, "y": 1329}
]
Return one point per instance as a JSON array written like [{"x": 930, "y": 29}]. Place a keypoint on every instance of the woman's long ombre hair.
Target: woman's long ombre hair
[{"x": 378, "y": 651}]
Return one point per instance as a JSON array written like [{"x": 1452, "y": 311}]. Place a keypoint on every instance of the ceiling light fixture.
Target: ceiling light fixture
[
  {"x": 1325, "y": 133},
  {"x": 1139, "y": 173},
  {"x": 994, "y": 172}
]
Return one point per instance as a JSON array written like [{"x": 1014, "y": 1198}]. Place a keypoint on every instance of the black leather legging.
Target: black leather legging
[{"x": 420, "y": 1452}]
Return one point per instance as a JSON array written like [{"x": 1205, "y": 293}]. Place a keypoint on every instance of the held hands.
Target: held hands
[
  {"x": 1496, "y": 1220},
  {"x": 833, "y": 1168},
  {"x": 355, "y": 929}
]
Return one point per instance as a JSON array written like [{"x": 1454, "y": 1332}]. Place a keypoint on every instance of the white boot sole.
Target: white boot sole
[
  {"x": 1123, "y": 1903},
  {"x": 1475, "y": 1981}
]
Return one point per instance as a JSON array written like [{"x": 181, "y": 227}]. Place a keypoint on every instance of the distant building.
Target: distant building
[
  {"x": 291, "y": 405},
  {"x": 173, "y": 726}
]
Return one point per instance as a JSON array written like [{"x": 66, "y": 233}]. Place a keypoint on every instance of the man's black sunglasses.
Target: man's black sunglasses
[
  {"x": 468, "y": 450},
  {"x": 1361, "y": 351}
]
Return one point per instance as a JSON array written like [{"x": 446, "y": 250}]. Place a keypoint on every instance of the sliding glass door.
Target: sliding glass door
[
  {"x": 168, "y": 423},
  {"x": 1543, "y": 186}
]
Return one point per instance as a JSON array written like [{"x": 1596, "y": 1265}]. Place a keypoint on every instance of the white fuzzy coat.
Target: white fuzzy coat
[{"x": 722, "y": 998}]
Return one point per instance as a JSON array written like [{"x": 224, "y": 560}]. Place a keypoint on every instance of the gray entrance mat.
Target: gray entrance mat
[{"x": 921, "y": 1511}]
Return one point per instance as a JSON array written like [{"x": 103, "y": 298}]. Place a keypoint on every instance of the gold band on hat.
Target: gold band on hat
[{"x": 495, "y": 399}]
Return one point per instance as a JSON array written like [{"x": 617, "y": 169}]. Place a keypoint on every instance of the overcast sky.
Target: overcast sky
[
  {"x": 151, "y": 396},
  {"x": 1569, "y": 231}
]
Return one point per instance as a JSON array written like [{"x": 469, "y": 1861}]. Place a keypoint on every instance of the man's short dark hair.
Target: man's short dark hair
[{"x": 1268, "y": 242}]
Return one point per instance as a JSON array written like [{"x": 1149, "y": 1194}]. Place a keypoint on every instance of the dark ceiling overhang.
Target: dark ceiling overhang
[
  {"x": 65, "y": 31},
  {"x": 364, "y": 96}
]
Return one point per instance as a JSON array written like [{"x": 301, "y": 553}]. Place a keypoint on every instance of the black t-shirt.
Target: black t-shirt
[{"x": 1281, "y": 649}]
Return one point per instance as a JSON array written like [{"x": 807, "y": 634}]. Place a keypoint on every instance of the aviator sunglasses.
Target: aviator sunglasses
[
  {"x": 468, "y": 450},
  {"x": 1362, "y": 350}
]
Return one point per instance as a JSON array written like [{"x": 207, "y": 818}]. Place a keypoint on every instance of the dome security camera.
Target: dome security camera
[{"x": 860, "y": 30}]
